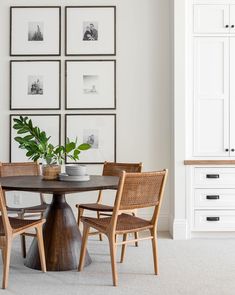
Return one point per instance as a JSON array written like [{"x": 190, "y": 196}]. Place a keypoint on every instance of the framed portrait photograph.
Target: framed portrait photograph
[
  {"x": 50, "y": 123},
  {"x": 90, "y": 84},
  {"x": 35, "y": 85},
  {"x": 99, "y": 130},
  {"x": 90, "y": 30},
  {"x": 35, "y": 30}
]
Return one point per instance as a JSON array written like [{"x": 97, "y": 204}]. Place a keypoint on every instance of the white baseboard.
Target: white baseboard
[{"x": 180, "y": 229}]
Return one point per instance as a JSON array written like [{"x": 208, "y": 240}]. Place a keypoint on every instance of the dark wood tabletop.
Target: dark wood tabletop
[
  {"x": 37, "y": 184},
  {"x": 62, "y": 237}
]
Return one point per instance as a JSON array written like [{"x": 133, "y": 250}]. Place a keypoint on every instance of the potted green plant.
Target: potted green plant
[{"x": 38, "y": 147}]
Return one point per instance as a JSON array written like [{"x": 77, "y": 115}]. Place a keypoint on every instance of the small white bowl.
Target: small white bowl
[{"x": 75, "y": 170}]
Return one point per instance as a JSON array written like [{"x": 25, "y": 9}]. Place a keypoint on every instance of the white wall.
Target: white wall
[{"x": 143, "y": 84}]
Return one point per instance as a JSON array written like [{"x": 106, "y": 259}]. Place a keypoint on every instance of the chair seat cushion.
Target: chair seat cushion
[
  {"x": 96, "y": 207},
  {"x": 19, "y": 224},
  {"x": 125, "y": 223}
]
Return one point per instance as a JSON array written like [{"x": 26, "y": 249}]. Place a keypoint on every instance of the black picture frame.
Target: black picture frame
[
  {"x": 13, "y": 53},
  {"x": 31, "y": 115},
  {"x": 113, "y": 53},
  {"x": 111, "y": 97},
  {"x": 88, "y": 153},
  {"x": 58, "y": 99}
]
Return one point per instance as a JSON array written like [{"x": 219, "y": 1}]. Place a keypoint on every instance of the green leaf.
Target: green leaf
[
  {"x": 76, "y": 153},
  {"x": 84, "y": 146},
  {"x": 22, "y": 131},
  {"x": 28, "y": 137},
  {"x": 69, "y": 147}
]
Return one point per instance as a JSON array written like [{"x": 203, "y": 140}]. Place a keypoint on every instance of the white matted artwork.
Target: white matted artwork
[
  {"x": 91, "y": 84},
  {"x": 51, "y": 124},
  {"x": 90, "y": 30},
  {"x": 99, "y": 130},
  {"x": 35, "y": 30},
  {"x": 35, "y": 85}
]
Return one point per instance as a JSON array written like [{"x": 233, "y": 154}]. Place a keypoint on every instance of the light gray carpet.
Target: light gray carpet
[{"x": 195, "y": 267}]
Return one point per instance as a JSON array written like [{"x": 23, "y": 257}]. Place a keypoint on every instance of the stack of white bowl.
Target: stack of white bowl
[{"x": 76, "y": 170}]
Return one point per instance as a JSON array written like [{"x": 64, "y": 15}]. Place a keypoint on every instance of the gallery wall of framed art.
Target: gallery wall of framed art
[{"x": 46, "y": 79}]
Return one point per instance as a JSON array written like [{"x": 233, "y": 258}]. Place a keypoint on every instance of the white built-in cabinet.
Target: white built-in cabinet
[
  {"x": 213, "y": 81},
  {"x": 210, "y": 171}
]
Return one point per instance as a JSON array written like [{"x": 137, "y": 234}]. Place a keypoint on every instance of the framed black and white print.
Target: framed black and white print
[
  {"x": 99, "y": 130},
  {"x": 35, "y": 85},
  {"x": 50, "y": 123},
  {"x": 90, "y": 84},
  {"x": 35, "y": 30},
  {"x": 90, "y": 30}
]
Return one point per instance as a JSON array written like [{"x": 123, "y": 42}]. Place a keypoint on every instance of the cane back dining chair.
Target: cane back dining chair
[
  {"x": 109, "y": 169},
  {"x": 11, "y": 227},
  {"x": 135, "y": 190},
  {"x": 23, "y": 169}
]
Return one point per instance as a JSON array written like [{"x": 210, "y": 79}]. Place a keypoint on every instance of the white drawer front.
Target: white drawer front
[
  {"x": 214, "y": 177},
  {"x": 214, "y": 220},
  {"x": 214, "y": 198}
]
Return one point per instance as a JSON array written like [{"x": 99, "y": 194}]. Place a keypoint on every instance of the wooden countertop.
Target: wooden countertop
[{"x": 209, "y": 162}]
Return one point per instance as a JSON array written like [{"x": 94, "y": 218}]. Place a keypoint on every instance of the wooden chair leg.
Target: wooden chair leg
[
  {"x": 155, "y": 251},
  {"x": 136, "y": 233},
  {"x": 86, "y": 229},
  {"x": 23, "y": 245},
  {"x": 41, "y": 248},
  {"x": 113, "y": 249},
  {"x": 100, "y": 235},
  {"x": 80, "y": 214},
  {"x": 22, "y": 238},
  {"x": 123, "y": 248},
  {"x": 6, "y": 266}
]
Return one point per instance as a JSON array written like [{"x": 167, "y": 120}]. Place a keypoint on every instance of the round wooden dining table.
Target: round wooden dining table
[{"x": 62, "y": 237}]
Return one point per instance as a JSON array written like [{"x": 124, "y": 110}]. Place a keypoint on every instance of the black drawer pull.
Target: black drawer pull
[
  {"x": 212, "y": 197},
  {"x": 212, "y": 176},
  {"x": 212, "y": 218}
]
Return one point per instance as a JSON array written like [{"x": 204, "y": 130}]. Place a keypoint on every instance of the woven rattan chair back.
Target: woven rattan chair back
[
  {"x": 141, "y": 190},
  {"x": 20, "y": 169},
  {"x": 115, "y": 169}
]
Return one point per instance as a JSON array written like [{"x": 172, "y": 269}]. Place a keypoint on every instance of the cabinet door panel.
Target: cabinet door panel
[
  {"x": 211, "y": 96},
  {"x": 211, "y": 19},
  {"x": 232, "y": 19},
  {"x": 232, "y": 96}
]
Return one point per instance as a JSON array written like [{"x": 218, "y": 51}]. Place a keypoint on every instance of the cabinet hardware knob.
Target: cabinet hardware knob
[
  {"x": 212, "y": 176},
  {"x": 232, "y": 150},
  {"x": 212, "y": 197},
  {"x": 232, "y": 26},
  {"x": 226, "y": 26},
  {"x": 212, "y": 218},
  {"x": 226, "y": 150}
]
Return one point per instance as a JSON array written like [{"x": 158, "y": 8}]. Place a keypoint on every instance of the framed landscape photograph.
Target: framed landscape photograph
[
  {"x": 90, "y": 30},
  {"x": 35, "y": 30},
  {"x": 90, "y": 84},
  {"x": 35, "y": 85},
  {"x": 49, "y": 123},
  {"x": 99, "y": 130}
]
